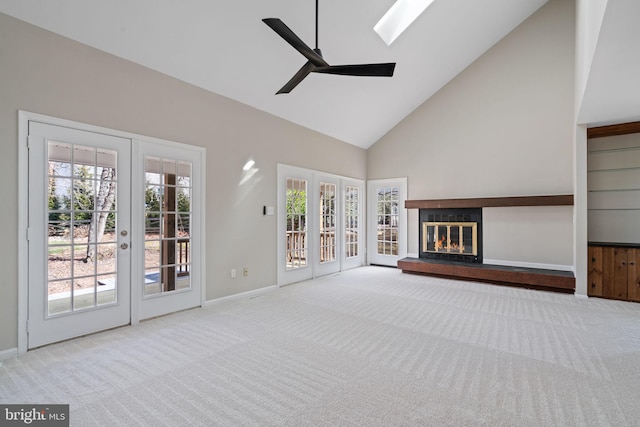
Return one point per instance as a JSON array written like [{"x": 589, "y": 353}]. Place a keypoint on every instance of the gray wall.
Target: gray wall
[
  {"x": 503, "y": 127},
  {"x": 44, "y": 73}
]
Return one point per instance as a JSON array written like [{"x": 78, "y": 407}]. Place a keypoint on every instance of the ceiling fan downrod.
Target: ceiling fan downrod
[{"x": 317, "y": 24}]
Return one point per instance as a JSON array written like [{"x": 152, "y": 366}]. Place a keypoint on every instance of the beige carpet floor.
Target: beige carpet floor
[{"x": 366, "y": 347}]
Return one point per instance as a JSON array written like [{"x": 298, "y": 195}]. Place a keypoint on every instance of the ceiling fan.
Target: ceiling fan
[{"x": 316, "y": 64}]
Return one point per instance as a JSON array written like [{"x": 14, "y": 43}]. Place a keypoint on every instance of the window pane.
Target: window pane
[
  {"x": 352, "y": 210},
  {"x": 81, "y": 218},
  {"x": 296, "y": 239},
  {"x": 327, "y": 222},
  {"x": 167, "y": 225}
]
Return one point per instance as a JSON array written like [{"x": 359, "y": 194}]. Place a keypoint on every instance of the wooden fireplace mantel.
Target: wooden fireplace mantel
[{"x": 492, "y": 202}]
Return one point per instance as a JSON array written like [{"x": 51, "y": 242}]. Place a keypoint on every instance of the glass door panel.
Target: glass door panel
[
  {"x": 328, "y": 218},
  {"x": 387, "y": 217},
  {"x": 167, "y": 225},
  {"x": 296, "y": 211},
  {"x": 82, "y": 188}
]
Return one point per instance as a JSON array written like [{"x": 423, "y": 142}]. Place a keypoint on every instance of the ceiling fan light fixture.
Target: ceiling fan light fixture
[{"x": 399, "y": 17}]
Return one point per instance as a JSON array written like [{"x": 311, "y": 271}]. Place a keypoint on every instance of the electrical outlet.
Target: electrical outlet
[
  {"x": 246, "y": 272},
  {"x": 233, "y": 273}
]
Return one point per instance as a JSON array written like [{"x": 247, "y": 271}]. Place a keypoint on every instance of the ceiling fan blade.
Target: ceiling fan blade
[
  {"x": 373, "y": 70},
  {"x": 297, "y": 78},
  {"x": 290, "y": 37}
]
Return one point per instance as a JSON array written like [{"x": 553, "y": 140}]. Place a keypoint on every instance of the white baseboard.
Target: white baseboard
[
  {"x": 243, "y": 295},
  {"x": 8, "y": 354},
  {"x": 528, "y": 264},
  {"x": 580, "y": 296}
]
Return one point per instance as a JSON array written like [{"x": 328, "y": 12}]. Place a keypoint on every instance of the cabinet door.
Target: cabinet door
[
  {"x": 595, "y": 271},
  {"x": 615, "y": 280},
  {"x": 608, "y": 272},
  {"x": 633, "y": 278}
]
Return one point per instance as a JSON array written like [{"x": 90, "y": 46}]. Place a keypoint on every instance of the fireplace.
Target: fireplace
[{"x": 451, "y": 234}]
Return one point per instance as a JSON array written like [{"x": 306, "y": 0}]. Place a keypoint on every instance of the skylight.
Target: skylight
[{"x": 399, "y": 17}]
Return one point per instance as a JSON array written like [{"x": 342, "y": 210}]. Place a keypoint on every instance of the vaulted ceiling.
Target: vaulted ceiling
[
  {"x": 225, "y": 48},
  {"x": 612, "y": 94}
]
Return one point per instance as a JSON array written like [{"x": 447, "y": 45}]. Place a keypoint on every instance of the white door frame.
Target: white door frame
[
  {"x": 23, "y": 209},
  {"x": 372, "y": 251},
  {"x": 299, "y": 274},
  {"x": 144, "y": 308},
  {"x": 313, "y": 269},
  {"x": 360, "y": 259},
  {"x": 322, "y": 269}
]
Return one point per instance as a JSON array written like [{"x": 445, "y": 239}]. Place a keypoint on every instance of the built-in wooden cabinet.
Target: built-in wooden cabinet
[
  {"x": 614, "y": 272},
  {"x": 613, "y": 173}
]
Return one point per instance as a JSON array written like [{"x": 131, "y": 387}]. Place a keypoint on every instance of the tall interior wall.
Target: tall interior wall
[
  {"x": 503, "y": 127},
  {"x": 44, "y": 73}
]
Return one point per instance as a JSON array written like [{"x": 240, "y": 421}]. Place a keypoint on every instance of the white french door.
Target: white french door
[
  {"x": 168, "y": 224},
  {"x": 295, "y": 225},
  {"x": 328, "y": 224},
  {"x": 78, "y": 231},
  {"x": 352, "y": 212},
  {"x": 387, "y": 236},
  {"x": 319, "y": 224},
  {"x": 115, "y": 229}
]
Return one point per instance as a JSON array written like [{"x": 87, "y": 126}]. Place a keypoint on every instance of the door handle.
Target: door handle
[{"x": 124, "y": 246}]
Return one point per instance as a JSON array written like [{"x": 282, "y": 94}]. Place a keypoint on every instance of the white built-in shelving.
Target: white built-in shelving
[{"x": 613, "y": 184}]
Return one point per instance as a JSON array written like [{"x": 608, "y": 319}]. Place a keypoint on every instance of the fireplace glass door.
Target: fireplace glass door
[{"x": 450, "y": 237}]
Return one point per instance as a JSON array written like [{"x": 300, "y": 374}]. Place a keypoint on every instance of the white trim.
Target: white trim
[
  {"x": 146, "y": 308},
  {"x": 40, "y": 118},
  {"x": 8, "y": 354},
  {"x": 285, "y": 276},
  {"x": 372, "y": 216},
  {"x": 23, "y": 223},
  {"x": 243, "y": 295},
  {"x": 581, "y": 297},
  {"x": 361, "y": 258},
  {"x": 560, "y": 267},
  {"x": 322, "y": 269},
  {"x": 203, "y": 228},
  {"x": 412, "y": 255},
  {"x": 137, "y": 257}
]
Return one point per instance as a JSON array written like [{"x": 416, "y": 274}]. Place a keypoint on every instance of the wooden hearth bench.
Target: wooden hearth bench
[{"x": 534, "y": 278}]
